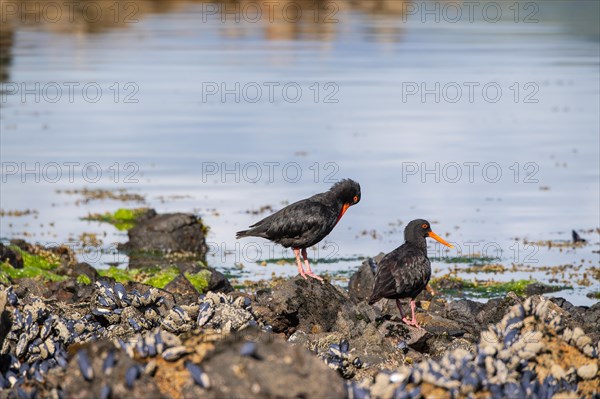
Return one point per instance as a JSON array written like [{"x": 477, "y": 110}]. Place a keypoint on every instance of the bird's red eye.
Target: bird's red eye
[
  {"x": 424, "y": 225},
  {"x": 356, "y": 198}
]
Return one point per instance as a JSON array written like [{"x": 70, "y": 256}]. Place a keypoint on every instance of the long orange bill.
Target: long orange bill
[
  {"x": 344, "y": 209},
  {"x": 440, "y": 239}
]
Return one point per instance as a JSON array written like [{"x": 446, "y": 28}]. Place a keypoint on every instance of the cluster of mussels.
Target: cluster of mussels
[
  {"x": 338, "y": 357},
  {"x": 114, "y": 304},
  {"x": 140, "y": 325},
  {"x": 143, "y": 311},
  {"x": 509, "y": 362},
  {"x": 38, "y": 339}
]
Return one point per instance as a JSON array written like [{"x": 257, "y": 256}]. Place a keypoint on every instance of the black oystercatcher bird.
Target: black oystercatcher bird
[
  {"x": 405, "y": 272},
  {"x": 577, "y": 238},
  {"x": 306, "y": 222}
]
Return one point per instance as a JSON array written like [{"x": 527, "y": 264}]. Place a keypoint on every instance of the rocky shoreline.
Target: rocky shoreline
[
  {"x": 301, "y": 338},
  {"x": 77, "y": 333}
]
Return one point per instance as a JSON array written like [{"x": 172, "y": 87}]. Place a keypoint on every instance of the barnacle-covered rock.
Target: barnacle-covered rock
[
  {"x": 228, "y": 314},
  {"x": 525, "y": 354}
]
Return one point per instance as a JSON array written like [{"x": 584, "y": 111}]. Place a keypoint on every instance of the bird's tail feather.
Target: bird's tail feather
[
  {"x": 255, "y": 232},
  {"x": 243, "y": 233}
]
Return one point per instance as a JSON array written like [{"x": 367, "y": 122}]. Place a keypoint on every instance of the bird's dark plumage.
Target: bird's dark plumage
[
  {"x": 405, "y": 272},
  {"x": 577, "y": 238},
  {"x": 306, "y": 222}
]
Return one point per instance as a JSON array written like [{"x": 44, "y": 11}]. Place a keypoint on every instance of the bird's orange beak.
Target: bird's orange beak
[
  {"x": 440, "y": 239},
  {"x": 344, "y": 209}
]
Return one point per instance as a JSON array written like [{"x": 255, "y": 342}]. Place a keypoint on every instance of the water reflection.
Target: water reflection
[
  {"x": 279, "y": 20},
  {"x": 81, "y": 17},
  {"x": 273, "y": 20},
  {"x": 7, "y": 35}
]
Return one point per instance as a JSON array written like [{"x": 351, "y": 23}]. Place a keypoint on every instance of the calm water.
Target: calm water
[{"x": 483, "y": 120}]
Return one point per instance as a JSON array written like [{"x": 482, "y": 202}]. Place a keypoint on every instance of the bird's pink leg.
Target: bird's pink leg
[
  {"x": 309, "y": 271},
  {"x": 299, "y": 262},
  {"x": 412, "y": 322}
]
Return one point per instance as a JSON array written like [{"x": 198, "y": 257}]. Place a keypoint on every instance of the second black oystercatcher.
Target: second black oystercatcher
[
  {"x": 306, "y": 222},
  {"x": 405, "y": 272}
]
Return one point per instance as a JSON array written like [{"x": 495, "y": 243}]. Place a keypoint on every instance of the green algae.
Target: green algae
[
  {"x": 160, "y": 278},
  {"x": 34, "y": 266},
  {"x": 83, "y": 279},
  {"x": 123, "y": 218},
  {"x": 28, "y": 271},
  {"x": 452, "y": 285},
  {"x": 120, "y": 275},
  {"x": 199, "y": 280},
  {"x": 48, "y": 262},
  {"x": 157, "y": 277}
]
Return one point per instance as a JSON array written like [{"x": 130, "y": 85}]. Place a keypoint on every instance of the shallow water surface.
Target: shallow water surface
[{"x": 489, "y": 129}]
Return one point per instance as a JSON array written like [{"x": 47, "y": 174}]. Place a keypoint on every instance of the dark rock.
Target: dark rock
[
  {"x": 362, "y": 281},
  {"x": 418, "y": 338},
  {"x": 438, "y": 325},
  {"x": 368, "y": 337},
  {"x": 278, "y": 370},
  {"x": 307, "y": 305},
  {"x": 587, "y": 318},
  {"x": 22, "y": 244},
  {"x": 591, "y": 318},
  {"x": 372, "y": 346},
  {"x": 366, "y": 312},
  {"x": 11, "y": 256},
  {"x": 86, "y": 269},
  {"x": 149, "y": 214},
  {"x": 218, "y": 282},
  {"x": 540, "y": 288},
  {"x": 495, "y": 309},
  {"x": 69, "y": 291},
  {"x": 27, "y": 287},
  {"x": 437, "y": 346},
  {"x": 172, "y": 232},
  {"x": 575, "y": 312},
  {"x": 183, "y": 291},
  {"x": 464, "y": 312},
  {"x": 186, "y": 266}
]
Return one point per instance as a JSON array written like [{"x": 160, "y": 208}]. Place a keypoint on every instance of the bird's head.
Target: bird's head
[
  {"x": 419, "y": 229},
  {"x": 347, "y": 191}
]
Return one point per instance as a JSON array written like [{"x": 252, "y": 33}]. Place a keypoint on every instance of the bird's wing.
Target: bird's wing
[
  {"x": 412, "y": 274},
  {"x": 397, "y": 273},
  {"x": 385, "y": 283},
  {"x": 296, "y": 219}
]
